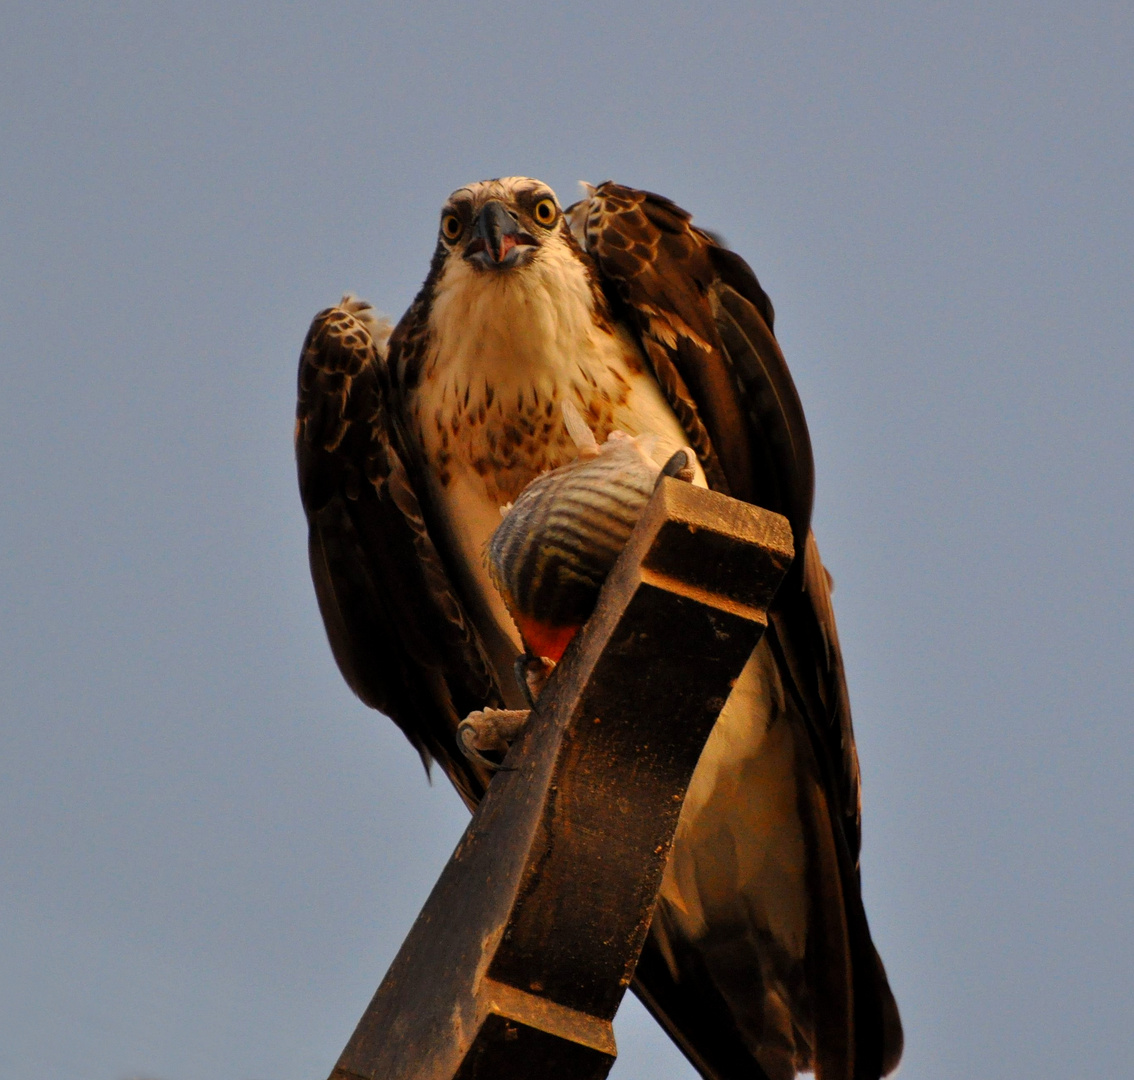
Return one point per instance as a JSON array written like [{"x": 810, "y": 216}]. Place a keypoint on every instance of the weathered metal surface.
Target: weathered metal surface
[{"x": 523, "y": 951}]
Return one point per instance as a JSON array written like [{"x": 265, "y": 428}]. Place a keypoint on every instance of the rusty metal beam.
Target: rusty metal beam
[{"x": 524, "y": 949}]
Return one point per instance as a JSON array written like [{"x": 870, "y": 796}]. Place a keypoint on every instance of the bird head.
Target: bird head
[
  {"x": 499, "y": 225},
  {"x": 509, "y": 283}
]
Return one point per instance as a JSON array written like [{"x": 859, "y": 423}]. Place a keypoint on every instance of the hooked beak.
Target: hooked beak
[{"x": 498, "y": 241}]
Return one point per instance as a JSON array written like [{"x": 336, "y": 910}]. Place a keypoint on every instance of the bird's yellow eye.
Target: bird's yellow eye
[
  {"x": 450, "y": 227},
  {"x": 545, "y": 211}
]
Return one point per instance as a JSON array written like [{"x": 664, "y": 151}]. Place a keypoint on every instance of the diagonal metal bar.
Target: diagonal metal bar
[{"x": 524, "y": 949}]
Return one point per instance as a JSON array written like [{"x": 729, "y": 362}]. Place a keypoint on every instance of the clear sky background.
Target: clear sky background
[{"x": 209, "y": 851}]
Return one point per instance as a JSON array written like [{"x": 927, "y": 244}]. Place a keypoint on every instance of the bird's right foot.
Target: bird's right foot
[{"x": 491, "y": 731}]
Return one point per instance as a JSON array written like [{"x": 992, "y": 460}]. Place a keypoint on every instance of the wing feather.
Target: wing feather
[
  {"x": 396, "y": 626},
  {"x": 705, "y": 323}
]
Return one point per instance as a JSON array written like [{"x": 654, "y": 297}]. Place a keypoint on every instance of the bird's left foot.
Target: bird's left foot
[{"x": 491, "y": 731}]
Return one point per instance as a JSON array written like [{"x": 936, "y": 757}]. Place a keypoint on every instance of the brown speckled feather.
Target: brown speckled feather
[
  {"x": 698, "y": 306},
  {"x": 397, "y": 629}
]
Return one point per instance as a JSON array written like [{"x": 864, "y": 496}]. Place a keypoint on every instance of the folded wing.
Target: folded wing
[
  {"x": 396, "y": 626},
  {"x": 706, "y": 325}
]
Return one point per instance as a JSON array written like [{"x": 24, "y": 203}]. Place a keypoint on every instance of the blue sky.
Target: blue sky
[{"x": 210, "y": 850}]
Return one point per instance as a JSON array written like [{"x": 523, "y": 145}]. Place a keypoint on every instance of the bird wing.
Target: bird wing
[
  {"x": 396, "y": 626},
  {"x": 705, "y": 324}
]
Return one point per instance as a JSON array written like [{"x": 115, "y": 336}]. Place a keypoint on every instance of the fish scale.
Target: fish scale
[{"x": 556, "y": 544}]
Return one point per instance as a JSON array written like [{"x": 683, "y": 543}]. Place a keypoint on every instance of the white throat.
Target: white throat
[{"x": 515, "y": 329}]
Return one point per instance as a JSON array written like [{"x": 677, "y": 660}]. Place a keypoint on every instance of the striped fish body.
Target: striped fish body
[{"x": 556, "y": 544}]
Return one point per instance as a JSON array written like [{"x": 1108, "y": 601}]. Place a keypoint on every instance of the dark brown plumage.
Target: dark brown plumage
[
  {"x": 733, "y": 981},
  {"x": 397, "y": 629}
]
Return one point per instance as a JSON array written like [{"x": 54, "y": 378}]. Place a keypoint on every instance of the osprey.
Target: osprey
[{"x": 759, "y": 961}]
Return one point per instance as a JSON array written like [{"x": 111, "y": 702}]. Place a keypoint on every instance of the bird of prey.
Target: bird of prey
[{"x": 759, "y": 962}]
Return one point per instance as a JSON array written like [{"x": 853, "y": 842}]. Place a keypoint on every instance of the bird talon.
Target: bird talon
[
  {"x": 532, "y": 673},
  {"x": 682, "y": 465},
  {"x": 492, "y": 730}
]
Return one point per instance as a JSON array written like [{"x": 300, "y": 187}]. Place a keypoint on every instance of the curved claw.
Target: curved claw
[{"x": 682, "y": 465}]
